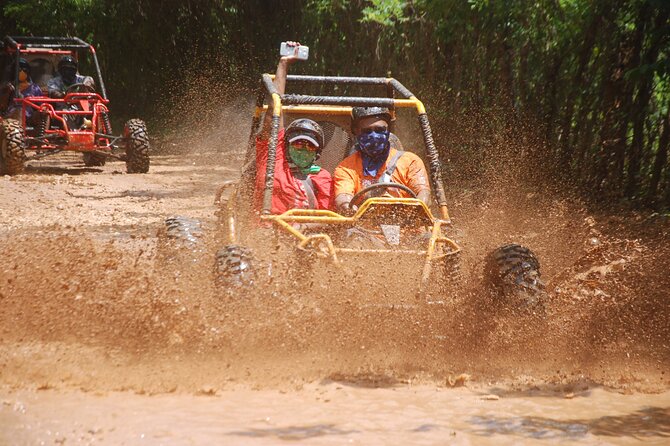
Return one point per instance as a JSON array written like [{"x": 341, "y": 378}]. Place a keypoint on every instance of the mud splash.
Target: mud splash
[
  {"x": 114, "y": 315},
  {"x": 104, "y": 303}
]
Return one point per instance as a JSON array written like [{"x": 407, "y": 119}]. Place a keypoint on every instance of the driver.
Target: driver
[
  {"x": 377, "y": 159},
  {"x": 67, "y": 76}
]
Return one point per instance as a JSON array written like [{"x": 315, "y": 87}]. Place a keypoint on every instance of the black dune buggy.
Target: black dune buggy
[
  {"x": 387, "y": 231},
  {"x": 78, "y": 122}
]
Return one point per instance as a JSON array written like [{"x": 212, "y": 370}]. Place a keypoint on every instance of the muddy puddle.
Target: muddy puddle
[{"x": 335, "y": 413}]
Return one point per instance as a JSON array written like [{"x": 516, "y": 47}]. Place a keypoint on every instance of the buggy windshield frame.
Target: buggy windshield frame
[
  {"x": 17, "y": 44},
  {"x": 341, "y": 105}
]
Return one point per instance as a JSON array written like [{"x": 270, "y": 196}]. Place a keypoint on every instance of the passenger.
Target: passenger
[
  {"x": 67, "y": 76},
  {"x": 27, "y": 88},
  {"x": 298, "y": 182},
  {"x": 378, "y": 158}
]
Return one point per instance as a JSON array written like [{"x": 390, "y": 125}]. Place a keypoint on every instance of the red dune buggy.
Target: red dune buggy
[{"x": 33, "y": 127}]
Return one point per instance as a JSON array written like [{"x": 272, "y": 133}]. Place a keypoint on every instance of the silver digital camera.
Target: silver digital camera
[{"x": 301, "y": 52}]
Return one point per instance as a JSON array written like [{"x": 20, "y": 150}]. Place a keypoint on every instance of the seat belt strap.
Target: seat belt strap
[
  {"x": 390, "y": 168},
  {"x": 308, "y": 185}
]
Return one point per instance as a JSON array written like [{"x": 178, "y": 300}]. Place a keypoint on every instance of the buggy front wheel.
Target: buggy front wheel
[
  {"x": 12, "y": 147},
  {"x": 137, "y": 146},
  {"x": 233, "y": 268}
]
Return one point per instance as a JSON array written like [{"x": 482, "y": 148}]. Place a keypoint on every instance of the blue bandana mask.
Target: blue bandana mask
[{"x": 374, "y": 148}]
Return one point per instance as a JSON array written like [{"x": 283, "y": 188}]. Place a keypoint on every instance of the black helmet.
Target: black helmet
[
  {"x": 67, "y": 61},
  {"x": 305, "y": 129},
  {"x": 358, "y": 113},
  {"x": 24, "y": 65}
]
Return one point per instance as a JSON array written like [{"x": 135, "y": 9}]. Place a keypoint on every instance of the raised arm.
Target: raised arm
[{"x": 280, "y": 85}]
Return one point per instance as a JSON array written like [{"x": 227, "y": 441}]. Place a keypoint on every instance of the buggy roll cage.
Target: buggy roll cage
[
  {"x": 23, "y": 43},
  {"x": 341, "y": 105}
]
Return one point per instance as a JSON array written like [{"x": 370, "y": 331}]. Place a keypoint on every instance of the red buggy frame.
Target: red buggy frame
[{"x": 77, "y": 122}]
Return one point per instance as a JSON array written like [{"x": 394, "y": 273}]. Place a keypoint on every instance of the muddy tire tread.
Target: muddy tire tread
[
  {"x": 452, "y": 270},
  {"x": 233, "y": 267},
  {"x": 137, "y": 146},
  {"x": 11, "y": 133},
  {"x": 515, "y": 270}
]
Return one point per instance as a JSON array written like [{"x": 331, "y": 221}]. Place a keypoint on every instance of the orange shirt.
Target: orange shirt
[{"x": 410, "y": 171}]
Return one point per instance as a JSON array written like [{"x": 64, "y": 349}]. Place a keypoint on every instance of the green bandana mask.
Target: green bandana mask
[{"x": 303, "y": 160}]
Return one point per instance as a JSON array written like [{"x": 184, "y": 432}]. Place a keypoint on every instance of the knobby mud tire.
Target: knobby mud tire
[
  {"x": 137, "y": 146},
  {"x": 183, "y": 229},
  {"x": 12, "y": 147},
  {"x": 445, "y": 277},
  {"x": 181, "y": 243},
  {"x": 233, "y": 268},
  {"x": 451, "y": 270},
  {"x": 513, "y": 271},
  {"x": 94, "y": 160}
]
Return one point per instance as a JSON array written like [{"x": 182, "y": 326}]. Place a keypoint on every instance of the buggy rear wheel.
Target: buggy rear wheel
[
  {"x": 514, "y": 272},
  {"x": 12, "y": 147},
  {"x": 233, "y": 267},
  {"x": 137, "y": 146},
  {"x": 94, "y": 159}
]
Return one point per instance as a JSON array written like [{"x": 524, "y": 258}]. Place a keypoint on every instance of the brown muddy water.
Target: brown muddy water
[
  {"x": 110, "y": 334},
  {"x": 333, "y": 413}
]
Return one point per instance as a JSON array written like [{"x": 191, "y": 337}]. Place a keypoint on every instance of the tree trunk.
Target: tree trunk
[
  {"x": 551, "y": 89},
  {"x": 522, "y": 78},
  {"x": 612, "y": 90},
  {"x": 584, "y": 142},
  {"x": 631, "y": 52},
  {"x": 582, "y": 136},
  {"x": 641, "y": 102},
  {"x": 659, "y": 161},
  {"x": 576, "y": 89}
]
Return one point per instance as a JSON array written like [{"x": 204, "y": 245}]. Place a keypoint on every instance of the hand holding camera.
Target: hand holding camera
[{"x": 292, "y": 51}]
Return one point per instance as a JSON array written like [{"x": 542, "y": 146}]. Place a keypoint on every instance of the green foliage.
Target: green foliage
[
  {"x": 53, "y": 17},
  {"x": 385, "y": 12},
  {"x": 328, "y": 7}
]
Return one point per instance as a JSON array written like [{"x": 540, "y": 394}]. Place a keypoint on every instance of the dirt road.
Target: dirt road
[
  {"x": 104, "y": 339},
  {"x": 61, "y": 191}
]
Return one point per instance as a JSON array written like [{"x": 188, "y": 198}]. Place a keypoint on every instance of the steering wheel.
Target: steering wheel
[
  {"x": 79, "y": 88},
  {"x": 358, "y": 198}
]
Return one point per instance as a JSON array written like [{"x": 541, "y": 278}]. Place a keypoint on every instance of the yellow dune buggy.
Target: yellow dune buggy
[{"x": 401, "y": 238}]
